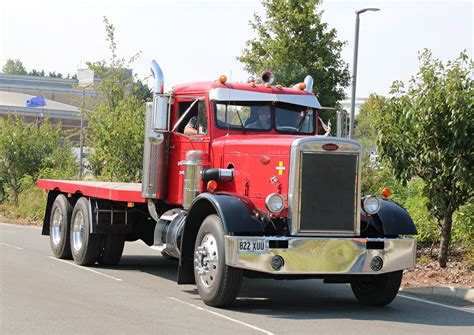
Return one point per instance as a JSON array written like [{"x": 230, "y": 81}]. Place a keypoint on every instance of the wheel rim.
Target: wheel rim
[
  {"x": 56, "y": 228},
  {"x": 78, "y": 231},
  {"x": 206, "y": 260}
]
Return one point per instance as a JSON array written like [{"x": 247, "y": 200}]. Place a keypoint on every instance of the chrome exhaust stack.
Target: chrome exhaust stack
[
  {"x": 155, "y": 154},
  {"x": 159, "y": 85}
]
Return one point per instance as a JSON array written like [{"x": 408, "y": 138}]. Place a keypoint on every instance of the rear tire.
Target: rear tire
[
  {"x": 59, "y": 227},
  {"x": 377, "y": 290},
  {"x": 217, "y": 284},
  {"x": 85, "y": 247},
  {"x": 112, "y": 249}
]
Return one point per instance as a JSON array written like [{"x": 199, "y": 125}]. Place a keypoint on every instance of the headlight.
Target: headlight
[
  {"x": 274, "y": 203},
  {"x": 371, "y": 204}
]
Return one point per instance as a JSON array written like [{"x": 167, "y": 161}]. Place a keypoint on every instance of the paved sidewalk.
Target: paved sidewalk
[{"x": 466, "y": 294}]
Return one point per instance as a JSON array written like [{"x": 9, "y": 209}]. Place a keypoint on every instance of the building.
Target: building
[
  {"x": 64, "y": 98},
  {"x": 346, "y": 104}
]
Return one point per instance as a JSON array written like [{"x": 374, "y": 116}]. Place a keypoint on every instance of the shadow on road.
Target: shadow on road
[
  {"x": 306, "y": 299},
  {"x": 311, "y": 299},
  {"x": 152, "y": 264}
]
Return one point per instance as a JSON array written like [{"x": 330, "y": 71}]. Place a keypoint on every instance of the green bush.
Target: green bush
[
  {"x": 412, "y": 198},
  {"x": 28, "y": 149},
  {"x": 463, "y": 226},
  {"x": 29, "y": 152},
  {"x": 31, "y": 201}
]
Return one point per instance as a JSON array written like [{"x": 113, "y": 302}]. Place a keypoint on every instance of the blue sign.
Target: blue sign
[{"x": 36, "y": 102}]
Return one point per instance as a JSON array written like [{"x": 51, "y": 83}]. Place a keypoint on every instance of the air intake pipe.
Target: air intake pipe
[{"x": 308, "y": 80}]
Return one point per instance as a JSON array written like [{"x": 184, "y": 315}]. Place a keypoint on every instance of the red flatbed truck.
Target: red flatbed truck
[{"x": 253, "y": 192}]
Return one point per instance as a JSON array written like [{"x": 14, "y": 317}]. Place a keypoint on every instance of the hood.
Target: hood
[{"x": 261, "y": 164}]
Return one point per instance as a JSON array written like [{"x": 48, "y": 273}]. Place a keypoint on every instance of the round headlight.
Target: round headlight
[
  {"x": 371, "y": 204},
  {"x": 275, "y": 203}
]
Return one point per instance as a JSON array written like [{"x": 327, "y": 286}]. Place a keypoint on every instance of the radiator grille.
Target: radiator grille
[{"x": 328, "y": 192}]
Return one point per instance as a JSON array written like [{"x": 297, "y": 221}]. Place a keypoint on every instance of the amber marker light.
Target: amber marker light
[
  {"x": 223, "y": 79},
  {"x": 252, "y": 84},
  {"x": 280, "y": 87},
  {"x": 212, "y": 185},
  {"x": 268, "y": 85},
  {"x": 386, "y": 192},
  {"x": 302, "y": 86}
]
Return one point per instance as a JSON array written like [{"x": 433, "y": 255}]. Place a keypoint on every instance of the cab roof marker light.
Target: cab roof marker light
[{"x": 223, "y": 79}]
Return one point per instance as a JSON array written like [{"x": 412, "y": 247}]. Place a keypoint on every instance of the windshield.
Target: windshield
[{"x": 264, "y": 116}]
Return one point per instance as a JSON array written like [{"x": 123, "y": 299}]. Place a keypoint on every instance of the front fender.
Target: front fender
[
  {"x": 395, "y": 219},
  {"x": 236, "y": 219}
]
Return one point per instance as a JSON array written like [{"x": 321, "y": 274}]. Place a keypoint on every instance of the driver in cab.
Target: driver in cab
[{"x": 263, "y": 118}]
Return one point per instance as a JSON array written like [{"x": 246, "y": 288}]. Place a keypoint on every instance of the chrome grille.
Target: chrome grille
[{"x": 324, "y": 188}]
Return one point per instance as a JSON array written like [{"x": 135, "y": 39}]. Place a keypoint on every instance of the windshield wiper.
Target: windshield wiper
[{"x": 240, "y": 119}]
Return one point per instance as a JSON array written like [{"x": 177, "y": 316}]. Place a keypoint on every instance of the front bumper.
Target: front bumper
[{"x": 310, "y": 255}]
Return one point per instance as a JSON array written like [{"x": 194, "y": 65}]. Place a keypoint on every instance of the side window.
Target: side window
[{"x": 195, "y": 122}]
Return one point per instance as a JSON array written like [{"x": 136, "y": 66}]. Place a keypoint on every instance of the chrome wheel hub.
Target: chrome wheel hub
[
  {"x": 206, "y": 260},
  {"x": 56, "y": 227},
  {"x": 78, "y": 231}
]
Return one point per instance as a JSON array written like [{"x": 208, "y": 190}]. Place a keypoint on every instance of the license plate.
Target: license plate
[{"x": 251, "y": 246}]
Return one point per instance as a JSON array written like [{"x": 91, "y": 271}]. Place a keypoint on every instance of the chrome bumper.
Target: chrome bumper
[{"x": 306, "y": 255}]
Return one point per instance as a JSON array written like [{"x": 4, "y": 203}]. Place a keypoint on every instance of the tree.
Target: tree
[
  {"x": 427, "y": 131},
  {"x": 365, "y": 131},
  {"x": 26, "y": 150},
  {"x": 292, "y": 41},
  {"x": 141, "y": 91},
  {"x": 13, "y": 66},
  {"x": 116, "y": 123},
  {"x": 53, "y": 74}
]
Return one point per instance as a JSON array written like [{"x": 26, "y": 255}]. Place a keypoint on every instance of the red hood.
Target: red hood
[{"x": 261, "y": 164}]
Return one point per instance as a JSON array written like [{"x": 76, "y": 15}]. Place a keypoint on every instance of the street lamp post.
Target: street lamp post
[
  {"x": 81, "y": 136},
  {"x": 354, "y": 68}
]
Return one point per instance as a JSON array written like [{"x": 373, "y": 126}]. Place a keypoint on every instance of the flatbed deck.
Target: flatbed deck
[{"x": 126, "y": 192}]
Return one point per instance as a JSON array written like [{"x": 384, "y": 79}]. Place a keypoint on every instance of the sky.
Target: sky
[{"x": 200, "y": 40}]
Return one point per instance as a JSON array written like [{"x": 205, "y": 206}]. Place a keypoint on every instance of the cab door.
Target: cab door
[{"x": 180, "y": 143}]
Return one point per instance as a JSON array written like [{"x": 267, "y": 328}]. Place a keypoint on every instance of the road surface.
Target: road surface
[{"x": 42, "y": 295}]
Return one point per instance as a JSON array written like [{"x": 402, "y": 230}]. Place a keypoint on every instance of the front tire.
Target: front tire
[
  {"x": 217, "y": 284},
  {"x": 85, "y": 246},
  {"x": 377, "y": 290},
  {"x": 59, "y": 227}
]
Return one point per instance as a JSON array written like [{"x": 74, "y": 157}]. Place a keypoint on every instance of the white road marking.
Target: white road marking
[
  {"x": 7, "y": 231},
  {"x": 436, "y": 303},
  {"x": 11, "y": 246},
  {"x": 221, "y": 316},
  {"x": 85, "y": 268},
  {"x": 19, "y": 226}
]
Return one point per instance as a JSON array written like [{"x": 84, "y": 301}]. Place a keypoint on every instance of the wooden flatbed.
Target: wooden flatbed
[{"x": 125, "y": 192}]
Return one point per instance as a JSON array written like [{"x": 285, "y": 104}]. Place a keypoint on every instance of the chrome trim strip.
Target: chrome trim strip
[
  {"x": 315, "y": 144},
  {"x": 226, "y": 94},
  {"x": 323, "y": 255}
]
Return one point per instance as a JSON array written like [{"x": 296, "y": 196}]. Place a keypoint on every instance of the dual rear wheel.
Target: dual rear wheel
[{"x": 71, "y": 237}]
